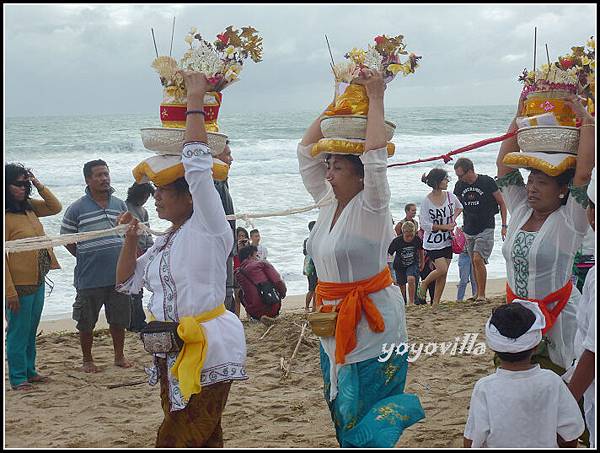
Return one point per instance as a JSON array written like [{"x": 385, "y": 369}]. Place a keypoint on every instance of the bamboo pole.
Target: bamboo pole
[
  {"x": 172, "y": 34},
  {"x": 287, "y": 368},
  {"x": 534, "y": 49}
]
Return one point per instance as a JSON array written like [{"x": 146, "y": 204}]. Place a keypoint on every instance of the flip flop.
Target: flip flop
[
  {"x": 23, "y": 386},
  {"x": 38, "y": 378},
  {"x": 421, "y": 294}
]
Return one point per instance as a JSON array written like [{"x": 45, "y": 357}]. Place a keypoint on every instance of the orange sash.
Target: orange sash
[
  {"x": 355, "y": 299},
  {"x": 561, "y": 296}
]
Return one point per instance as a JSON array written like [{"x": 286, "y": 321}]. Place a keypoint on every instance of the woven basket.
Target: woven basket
[
  {"x": 549, "y": 139},
  {"x": 323, "y": 324},
  {"x": 163, "y": 140},
  {"x": 351, "y": 126}
]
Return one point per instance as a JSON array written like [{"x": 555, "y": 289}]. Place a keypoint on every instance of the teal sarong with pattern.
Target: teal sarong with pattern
[{"x": 371, "y": 408}]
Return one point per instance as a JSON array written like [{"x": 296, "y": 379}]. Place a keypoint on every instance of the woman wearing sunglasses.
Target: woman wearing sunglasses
[{"x": 25, "y": 271}]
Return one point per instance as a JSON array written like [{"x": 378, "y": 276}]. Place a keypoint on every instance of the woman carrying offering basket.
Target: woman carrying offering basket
[
  {"x": 186, "y": 271},
  {"x": 547, "y": 225},
  {"x": 349, "y": 247}
]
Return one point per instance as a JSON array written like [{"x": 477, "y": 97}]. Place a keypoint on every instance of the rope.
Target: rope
[
  {"x": 44, "y": 242},
  {"x": 448, "y": 157}
]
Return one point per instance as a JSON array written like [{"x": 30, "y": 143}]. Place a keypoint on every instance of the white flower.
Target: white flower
[
  {"x": 202, "y": 59},
  {"x": 373, "y": 59},
  {"x": 345, "y": 71}
]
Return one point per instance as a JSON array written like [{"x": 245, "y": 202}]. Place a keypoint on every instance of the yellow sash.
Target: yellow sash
[{"x": 190, "y": 359}]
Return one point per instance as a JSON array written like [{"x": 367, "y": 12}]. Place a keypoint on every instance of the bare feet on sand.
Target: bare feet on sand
[
  {"x": 123, "y": 363},
  {"x": 89, "y": 367}
]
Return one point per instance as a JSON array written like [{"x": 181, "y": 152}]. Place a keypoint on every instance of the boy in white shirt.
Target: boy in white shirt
[{"x": 521, "y": 405}]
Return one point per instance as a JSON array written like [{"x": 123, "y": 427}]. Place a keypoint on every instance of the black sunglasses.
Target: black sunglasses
[{"x": 21, "y": 184}]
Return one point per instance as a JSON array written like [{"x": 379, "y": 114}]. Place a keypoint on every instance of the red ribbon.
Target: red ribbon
[{"x": 448, "y": 157}]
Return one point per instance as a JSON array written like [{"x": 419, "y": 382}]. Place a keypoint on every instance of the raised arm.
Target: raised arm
[
  {"x": 197, "y": 160},
  {"x": 377, "y": 191},
  {"x": 585, "y": 152},
  {"x": 312, "y": 169},
  {"x": 510, "y": 145},
  {"x": 50, "y": 204}
]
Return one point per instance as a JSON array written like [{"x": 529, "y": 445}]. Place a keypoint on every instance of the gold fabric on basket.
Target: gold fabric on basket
[
  {"x": 144, "y": 171},
  {"x": 353, "y": 101},
  {"x": 341, "y": 146},
  {"x": 518, "y": 160},
  {"x": 540, "y": 105}
]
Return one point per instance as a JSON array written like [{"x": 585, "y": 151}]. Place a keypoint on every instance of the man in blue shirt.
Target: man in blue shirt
[{"x": 95, "y": 271}]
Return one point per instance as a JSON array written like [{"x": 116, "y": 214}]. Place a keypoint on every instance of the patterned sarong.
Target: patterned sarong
[
  {"x": 371, "y": 408},
  {"x": 199, "y": 424}
]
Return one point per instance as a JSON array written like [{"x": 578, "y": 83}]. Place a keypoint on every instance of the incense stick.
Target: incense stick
[
  {"x": 154, "y": 40},
  {"x": 172, "y": 34},
  {"x": 332, "y": 64},
  {"x": 534, "y": 49}
]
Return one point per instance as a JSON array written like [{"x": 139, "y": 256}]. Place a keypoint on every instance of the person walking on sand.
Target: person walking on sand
[
  {"x": 349, "y": 245},
  {"x": 96, "y": 264},
  {"x": 186, "y": 271},
  {"x": 408, "y": 260},
  {"x": 481, "y": 200},
  {"x": 25, "y": 272},
  {"x": 439, "y": 212}
]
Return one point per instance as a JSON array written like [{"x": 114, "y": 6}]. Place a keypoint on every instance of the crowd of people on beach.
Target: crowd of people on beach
[{"x": 205, "y": 269}]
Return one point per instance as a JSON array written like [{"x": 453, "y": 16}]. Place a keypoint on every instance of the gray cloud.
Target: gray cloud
[{"x": 95, "y": 59}]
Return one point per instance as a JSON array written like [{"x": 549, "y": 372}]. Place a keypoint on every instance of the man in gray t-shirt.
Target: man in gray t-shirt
[{"x": 95, "y": 271}]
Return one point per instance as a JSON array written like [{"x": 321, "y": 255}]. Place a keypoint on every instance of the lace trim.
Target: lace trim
[{"x": 514, "y": 178}]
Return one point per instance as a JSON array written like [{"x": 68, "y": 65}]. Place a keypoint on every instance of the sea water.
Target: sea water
[{"x": 264, "y": 176}]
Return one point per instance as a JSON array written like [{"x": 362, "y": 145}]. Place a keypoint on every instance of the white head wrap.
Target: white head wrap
[
  {"x": 591, "y": 190},
  {"x": 499, "y": 343}
]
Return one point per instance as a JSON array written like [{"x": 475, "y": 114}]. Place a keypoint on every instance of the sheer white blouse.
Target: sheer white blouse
[{"x": 355, "y": 249}]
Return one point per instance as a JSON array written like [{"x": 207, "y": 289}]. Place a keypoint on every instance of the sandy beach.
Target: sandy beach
[{"x": 77, "y": 409}]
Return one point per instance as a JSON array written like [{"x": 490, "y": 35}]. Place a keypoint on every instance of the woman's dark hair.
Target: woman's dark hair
[
  {"x": 138, "y": 192},
  {"x": 246, "y": 252},
  {"x": 181, "y": 186},
  {"x": 11, "y": 173},
  {"x": 435, "y": 177},
  {"x": 357, "y": 165},
  {"x": 512, "y": 321},
  {"x": 563, "y": 180},
  {"x": 243, "y": 230}
]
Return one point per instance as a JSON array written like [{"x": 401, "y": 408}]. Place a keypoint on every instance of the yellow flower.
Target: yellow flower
[
  {"x": 395, "y": 68},
  {"x": 229, "y": 51},
  {"x": 189, "y": 39},
  {"x": 193, "y": 31},
  {"x": 585, "y": 61},
  {"x": 591, "y": 43},
  {"x": 357, "y": 55}
]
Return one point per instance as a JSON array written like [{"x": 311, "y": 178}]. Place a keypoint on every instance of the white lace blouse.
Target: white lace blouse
[
  {"x": 186, "y": 274},
  {"x": 355, "y": 249}
]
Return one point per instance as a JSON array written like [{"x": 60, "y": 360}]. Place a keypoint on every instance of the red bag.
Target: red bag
[{"x": 459, "y": 241}]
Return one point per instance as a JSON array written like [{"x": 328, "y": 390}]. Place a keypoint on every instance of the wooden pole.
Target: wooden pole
[
  {"x": 547, "y": 55},
  {"x": 154, "y": 41},
  {"x": 126, "y": 384},
  {"x": 287, "y": 368}
]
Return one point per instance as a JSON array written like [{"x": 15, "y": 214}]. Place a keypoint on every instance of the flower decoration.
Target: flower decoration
[
  {"x": 574, "y": 72},
  {"x": 221, "y": 61},
  {"x": 384, "y": 56}
]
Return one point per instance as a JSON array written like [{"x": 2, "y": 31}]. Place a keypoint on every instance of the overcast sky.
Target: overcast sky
[{"x": 95, "y": 59}]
